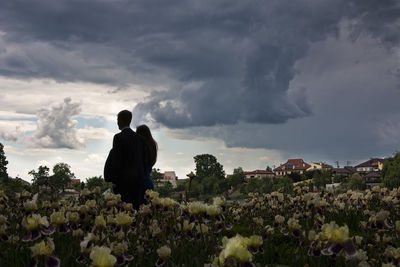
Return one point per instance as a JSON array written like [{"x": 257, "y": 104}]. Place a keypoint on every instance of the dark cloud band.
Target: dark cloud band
[{"x": 221, "y": 62}]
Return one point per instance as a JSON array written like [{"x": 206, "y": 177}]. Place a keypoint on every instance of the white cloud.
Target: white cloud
[
  {"x": 56, "y": 128},
  {"x": 43, "y": 163},
  {"x": 20, "y": 125},
  {"x": 8, "y": 136},
  {"x": 22, "y": 98},
  {"x": 32, "y": 152},
  {"x": 12, "y": 130},
  {"x": 4, "y": 114},
  {"x": 16, "y": 130},
  {"x": 272, "y": 160},
  {"x": 182, "y": 171},
  {"x": 95, "y": 158},
  {"x": 90, "y": 132}
]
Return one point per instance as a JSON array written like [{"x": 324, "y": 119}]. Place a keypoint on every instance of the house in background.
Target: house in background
[
  {"x": 372, "y": 179},
  {"x": 169, "y": 176},
  {"x": 180, "y": 181},
  {"x": 322, "y": 166},
  {"x": 259, "y": 174},
  {"x": 346, "y": 171},
  {"x": 21, "y": 180},
  {"x": 292, "y": 166},
  {"x": 372, "y": 165},
  {"x": 74, "y": 181}
]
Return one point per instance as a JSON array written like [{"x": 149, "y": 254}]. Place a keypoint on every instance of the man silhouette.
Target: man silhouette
[{"x": 127, "y": 161}]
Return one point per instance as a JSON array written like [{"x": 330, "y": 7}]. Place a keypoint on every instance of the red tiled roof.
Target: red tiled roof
[
  {"x": 75, "y": 181},
  {"x": 298, "y": 164},
  {"x": 370, "y": 163}
]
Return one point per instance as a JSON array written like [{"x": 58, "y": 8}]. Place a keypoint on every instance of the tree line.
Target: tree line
[
  {"x": 208, "y": 180},
  {"x": 48, "y": 185}
]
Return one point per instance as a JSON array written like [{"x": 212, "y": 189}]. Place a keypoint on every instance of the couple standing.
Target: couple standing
[{"x": 130, "y": 161}]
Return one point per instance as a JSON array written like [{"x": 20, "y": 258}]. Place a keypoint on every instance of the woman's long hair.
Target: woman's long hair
[{"x": 144, "y": 131}]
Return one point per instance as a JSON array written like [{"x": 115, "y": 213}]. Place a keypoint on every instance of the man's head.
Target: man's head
[{"x": 124, "y": 119}]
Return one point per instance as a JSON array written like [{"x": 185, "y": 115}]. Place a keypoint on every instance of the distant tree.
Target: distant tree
[
  {"x": 208, "y": 185},
  {"x": 62, "y": 176},
  {"x": 222, "y": 186},
  {"x": 3, "y": 164},
  {"x": 268, "y": 169},
  {"x": 391, "y": 172},
  {"x": 283, "y": 184},
  {"x": 40, "y": 178},
  {"x": 320, "y": 179},
  {"x": 196, "y": 188},
  {"x": 263, "y": 185},
  {"x": 238, "y": 170},
  {"x": 267, "y": 185},
  {"x": 243, "y": 188},
  {"x": 14, "y": 185},
  {"x": 20, "y": 185},
  {"x": 208, "y": 166},
  {"x": 77, "y": 186},
  {"x": 181, "y": 186},
  {"x": 327, "y": 176},
  {"x": 94, "y": 181},
  {"x": 340, "y": 179},
  {"x": 165, "y": 189},
  {"x": 99, "y": 181},
  {"x": 296, "y": 177},
  {"x": 237, "y": 178},
  {"x": 156, "y": 176},
  {"x": 254, "y": 185},
  {"x": 306, "y": 175},
  {"x": 356, "y": 182}
]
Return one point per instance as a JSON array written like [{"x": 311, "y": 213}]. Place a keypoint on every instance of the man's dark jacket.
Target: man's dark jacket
[{"x": 126, "y": 164}]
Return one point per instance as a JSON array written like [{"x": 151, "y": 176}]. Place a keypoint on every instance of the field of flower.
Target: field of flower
[{"x": 303, "y": 229}]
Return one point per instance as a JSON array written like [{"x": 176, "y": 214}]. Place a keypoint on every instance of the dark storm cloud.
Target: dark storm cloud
[
  {"x": 353, "y": 90},
  {"x": 220, "y": 62}
]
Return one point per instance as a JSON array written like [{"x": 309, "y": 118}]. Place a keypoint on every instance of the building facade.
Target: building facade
[
  {"x": 319, "y": 166},
  {"x": 372, "y": 165},
  {"x": 346, "y": 171},
  {"x": 170, "y": 176},
  {"x": 292, "y": 166},
  {"x": 74, "y": 181},
  {"x": 259, "y": 174}
]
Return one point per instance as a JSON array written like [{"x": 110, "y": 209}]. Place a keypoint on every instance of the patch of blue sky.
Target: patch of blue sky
[
  {"x": 13, "y": 144},
  {"x": 17, "y": 119},
  {"x": 93, "y": 122},
  {"x": 111, "y": 126},
  {"x": 96, "y": 123}
]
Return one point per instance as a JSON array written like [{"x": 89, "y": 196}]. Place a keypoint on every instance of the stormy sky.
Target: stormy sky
[{"x": 253, "y": 82}]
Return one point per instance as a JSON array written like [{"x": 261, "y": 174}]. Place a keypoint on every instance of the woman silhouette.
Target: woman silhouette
[{"x": 144, "y": 131}]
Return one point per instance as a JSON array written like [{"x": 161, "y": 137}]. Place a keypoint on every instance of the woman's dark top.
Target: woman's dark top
[{"x": 148, "y": 183}]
